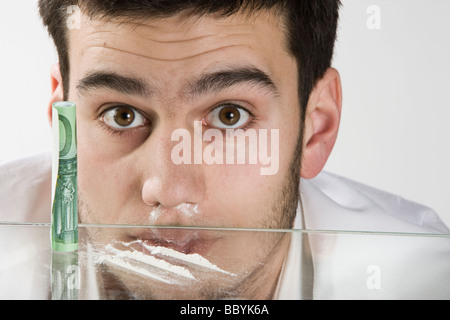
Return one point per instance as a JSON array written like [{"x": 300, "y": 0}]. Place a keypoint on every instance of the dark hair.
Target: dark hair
[{"x": 310, "y": 27}]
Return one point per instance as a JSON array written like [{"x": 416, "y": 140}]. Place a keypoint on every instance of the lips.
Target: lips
[{"x": 183, "y": 240}]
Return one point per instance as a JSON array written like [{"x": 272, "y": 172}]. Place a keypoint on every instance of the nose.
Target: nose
[
  {"x": 167, "y": 184},
  {"x": 171, "y": 187}
]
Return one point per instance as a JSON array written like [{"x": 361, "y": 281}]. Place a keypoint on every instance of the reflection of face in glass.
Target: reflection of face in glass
[{"x": 168, "y": 263}]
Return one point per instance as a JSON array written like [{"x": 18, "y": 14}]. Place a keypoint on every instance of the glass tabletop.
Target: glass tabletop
[{"x": 139, "y": 262}]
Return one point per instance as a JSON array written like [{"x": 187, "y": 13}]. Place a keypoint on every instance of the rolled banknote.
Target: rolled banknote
[
  {"x": 64, "y": 177},
  {"x": 65, "y": 276}
]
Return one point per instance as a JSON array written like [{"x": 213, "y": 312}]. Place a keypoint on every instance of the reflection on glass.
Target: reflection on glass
[
  {"x": 176, "y": 263},
  {"x": 129, "y": 262},
  {"x": 65, "y": 281}
]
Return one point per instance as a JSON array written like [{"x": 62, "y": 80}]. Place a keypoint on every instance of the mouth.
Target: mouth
[{"x": 186, "y": 241}]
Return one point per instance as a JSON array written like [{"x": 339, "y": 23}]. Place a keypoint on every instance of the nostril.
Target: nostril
[{"x": 151, "y": 190}]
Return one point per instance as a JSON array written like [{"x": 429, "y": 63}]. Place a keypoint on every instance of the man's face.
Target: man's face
[
  {"x": 135, "y": 84},
  {"x": 138, "y": 84}
]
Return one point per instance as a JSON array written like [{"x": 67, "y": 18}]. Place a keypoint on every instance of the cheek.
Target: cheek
[
  {"x": 100, "y": 174},
  {"x": 105, "y": 184},
  {"x": 97, "y": 161},
  {"x": 239, "y": 195},
  {"x": 243, "y": 193}
]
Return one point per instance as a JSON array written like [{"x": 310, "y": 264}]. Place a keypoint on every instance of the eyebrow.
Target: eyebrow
[
  {"x": 208, "y": 83},
  {"x": 221, "y": 80},
  {"x": 113, "y": 81}
]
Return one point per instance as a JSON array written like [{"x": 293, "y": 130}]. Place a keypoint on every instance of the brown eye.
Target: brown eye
[
  {"x": 123, "y": 117},
  {"x": 229, "y": 115}
]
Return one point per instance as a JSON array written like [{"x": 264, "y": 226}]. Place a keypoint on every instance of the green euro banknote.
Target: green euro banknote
[{"x": 64, "y": 177}]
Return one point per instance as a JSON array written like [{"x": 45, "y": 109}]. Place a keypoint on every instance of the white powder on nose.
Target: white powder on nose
[
  {"x": 155, "y": 214},
  {"x": 188, "y": 209}
]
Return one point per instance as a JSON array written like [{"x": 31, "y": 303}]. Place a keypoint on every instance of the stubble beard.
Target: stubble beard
[{"x": 281, "y": 215}]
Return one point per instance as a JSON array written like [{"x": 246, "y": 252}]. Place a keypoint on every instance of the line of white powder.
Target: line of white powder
[
  {"x": 193, "y": 258},
  {"x": 139, "y": 256},
  {"x": 122, "y": 259},
  {"x": 126, "y": 265}
]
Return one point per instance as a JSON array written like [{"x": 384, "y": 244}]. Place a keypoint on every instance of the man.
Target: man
[
  {"x": 141, "y": 71},
  {"x": 263, "y": 62}
]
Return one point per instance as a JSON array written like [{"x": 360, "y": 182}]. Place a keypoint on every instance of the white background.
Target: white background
[{"x": 395, "y": 126}]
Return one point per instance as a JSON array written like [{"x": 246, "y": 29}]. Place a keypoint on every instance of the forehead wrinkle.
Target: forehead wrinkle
[
  {"x": 187, "y": 36},
  {"x": 175, "y": 59},
  {"x": 170, "y": 29},
  {"x": 113, "y": 32},
  {"x": 175, "y": 54},
  {"x": 96, "y": 32},
  {"x": 174, "y": 41},
  {"x": 181, "y": 24}
]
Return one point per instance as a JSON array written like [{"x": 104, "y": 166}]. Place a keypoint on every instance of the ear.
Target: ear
[
  {"x": 57, "y": 89},
  {"x": 322, "y": 121}
]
